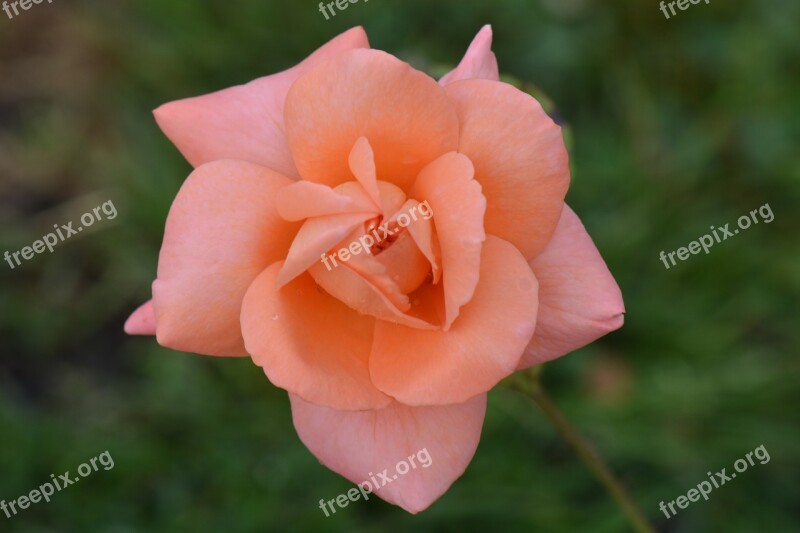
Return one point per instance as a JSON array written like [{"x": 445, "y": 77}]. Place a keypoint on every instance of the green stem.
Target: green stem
[{"x": 531, "y": 386}]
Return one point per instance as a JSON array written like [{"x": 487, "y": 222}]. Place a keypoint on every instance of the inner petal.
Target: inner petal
[
  {"x": 458, "y": 208},
  {"x": 382, "y": 252},
  {"x": 379, "y": 262},
  {"x": 320, "y": 232},
  {"x": 368, "y": 289}
]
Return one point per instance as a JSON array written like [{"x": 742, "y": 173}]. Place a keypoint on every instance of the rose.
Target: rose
[{"x": 394, "y": 350}]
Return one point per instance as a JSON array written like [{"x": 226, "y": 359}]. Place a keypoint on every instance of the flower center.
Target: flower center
[{"x": 383, "y": 234}]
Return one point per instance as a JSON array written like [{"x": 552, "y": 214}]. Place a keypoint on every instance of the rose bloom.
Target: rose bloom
[{"x": 391, "y": 350}]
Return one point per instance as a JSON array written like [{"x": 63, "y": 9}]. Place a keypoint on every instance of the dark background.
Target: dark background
[{"x": 674, "y": 125}]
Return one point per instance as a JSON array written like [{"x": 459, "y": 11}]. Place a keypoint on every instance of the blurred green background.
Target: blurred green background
[{"x": 675, "y": 125}]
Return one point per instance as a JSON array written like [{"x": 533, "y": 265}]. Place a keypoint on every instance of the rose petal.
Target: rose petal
[
  {"x": 245, "y": 122},
  {"x": 310, "y": 343},
  {"x": 367, "y": 292},
  {"x": 221, "y": 232},
  {"x": 484, "y": 345},
  {"x": 406, "y": 116},
  {"x": 404, "y": 263},
  {"x": 315, "y": 238},
  {"x": 372, "y": 285},
  {"x": 304, "y": 199},
  {"x": 478, "y": 62},
  {"x": 421, "y": 231},
  {"x": 362, "y": 445},
  {"x": 579, "y": 301},
  {"x": 458, "y": 209},
  {"x": 362, "y": 165},
  {"x": 519, "y": 158},
  {"x": 142, "y": 321}
]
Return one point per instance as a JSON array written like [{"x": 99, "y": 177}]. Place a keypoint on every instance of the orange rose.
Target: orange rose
[{"x": 387, "y": 248}]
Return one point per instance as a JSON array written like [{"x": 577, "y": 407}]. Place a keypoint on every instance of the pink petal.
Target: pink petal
[
  {"x": 478, "y": 62},
  {"x": 406, "y": 116},
  {"x": 422, "y": 232},
  {"x": 484, "y": 345},
  {"x": 245, "y": 122},
  {"x": 222, "y": 231},
  {"x": 142, "y": 321},
  {"x": 360, "y": 445},
  {"x": 458, "y": 208},
  {"x": 362, "y": 165},
  {"x": 304, "y": 199},
  {"x": 579, "y": 301},
  {"x": 363, "y": 285},
  {"x": 519, "y": 157},
  {"x": 315, "y": 238},
  {"x": 310, "y": 343}
]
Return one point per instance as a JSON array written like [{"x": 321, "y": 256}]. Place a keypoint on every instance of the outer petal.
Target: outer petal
[
  {"x": 458, "y": 209},
  {"x": 579, "y": 301},
  {"x": 484, "y": 345},
  {"x": 519, "y": 157},
  {"x": 142, "y": 321},
  {"x": 406, "y": 116},
  {"x": 479, "y": 61},
  {"x": 244, "y": 122},
  {"x": 360, "y": 445},
  {"x": 221, "y": 232},
  {"x": 310, "y": 343}
]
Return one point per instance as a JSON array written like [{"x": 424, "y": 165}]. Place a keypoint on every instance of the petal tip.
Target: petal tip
[
  {"x": 485, "y": 32},
  {"x": 142, "y": 321}
]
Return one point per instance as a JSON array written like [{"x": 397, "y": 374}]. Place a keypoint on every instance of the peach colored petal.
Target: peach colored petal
[
  {"x": 370, "y": 284},
  {"x": 401, "y": 258},
  {"x": 362, "y": 165},
  {"x": 427, "y": 303},
  {"x": 362, "y": 445},
  {"x": 519, "y": 157},
  {"x": 245, "y": 122},
  {"x": 421, "y": 231},
  {"x": 479, "y": 61},
  {"x": 368, "y": 293},
  {"x": 309, "y": 343},
  {"x": 142, "y": 321},
  {"x": 579, "y": 301},
  {"x": 366, "y": 290},
  {"x": 406, "y": 116},
  {"x": 392, "y": 197},
  {"x": 315, "y": 238},
  {"x": 405, "y": 264},
  {"x": 458, "y": 209},
  {"x": 304, "y": 199},
  {"x": 483, "y": 346},
  {"x": 221, "y": 232}
]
